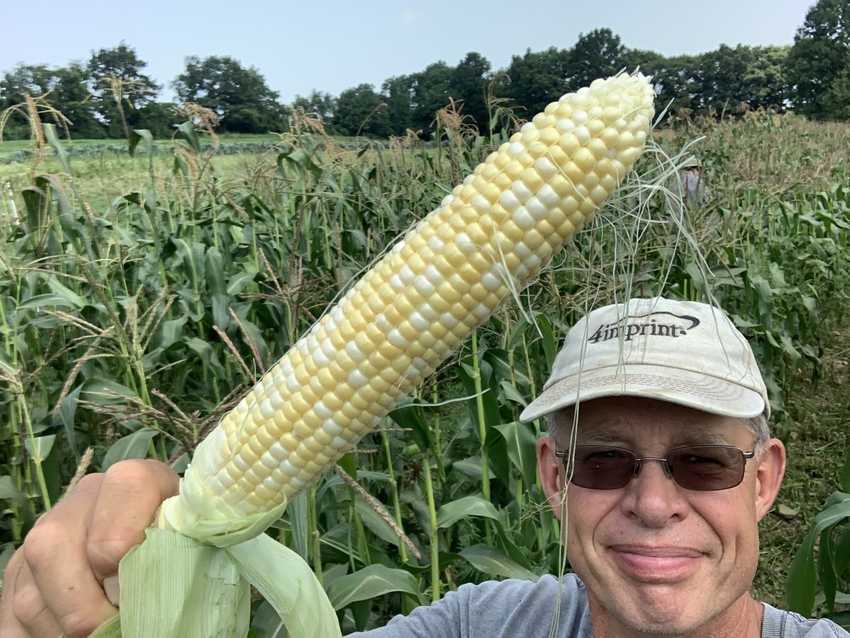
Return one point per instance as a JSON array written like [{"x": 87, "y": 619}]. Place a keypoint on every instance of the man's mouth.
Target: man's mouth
[{"x": 656, "y": 563}]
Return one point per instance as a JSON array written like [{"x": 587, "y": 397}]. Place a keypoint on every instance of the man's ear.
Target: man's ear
[
  {"x": 549, "y": 472},
  {"x": 769, "y": 473}
]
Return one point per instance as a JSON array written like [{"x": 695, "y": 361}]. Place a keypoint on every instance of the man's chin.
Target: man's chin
[
  {"x": 656, "y": 609},
  {"x": 659, "y": 622}
]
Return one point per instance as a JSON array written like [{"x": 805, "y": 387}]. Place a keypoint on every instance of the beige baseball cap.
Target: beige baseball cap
[{"x": 684, "y": 352}]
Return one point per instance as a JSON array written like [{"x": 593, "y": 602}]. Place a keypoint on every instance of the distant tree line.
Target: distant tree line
[{"x": 111, "y": 94}]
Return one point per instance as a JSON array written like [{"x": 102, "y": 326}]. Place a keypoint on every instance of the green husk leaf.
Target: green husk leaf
[
  {"x": 173, "y": 586},
  {"x": 289, "y": 585}
]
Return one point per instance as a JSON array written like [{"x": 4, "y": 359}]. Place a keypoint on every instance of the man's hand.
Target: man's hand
[{"x": 53, "y": 585}]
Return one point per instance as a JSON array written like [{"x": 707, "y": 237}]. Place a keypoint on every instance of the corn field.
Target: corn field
[{"x": 131, "y": 321}]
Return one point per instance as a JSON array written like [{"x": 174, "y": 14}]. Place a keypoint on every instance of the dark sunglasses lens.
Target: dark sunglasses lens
[
  {"x": 707, "y": 467},
  {"x": 602, "y": 468}
]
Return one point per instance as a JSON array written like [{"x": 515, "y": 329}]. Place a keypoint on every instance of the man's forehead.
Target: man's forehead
[
  {"x": 687, "y": 434},
  {"x": 631, "y": 419}
]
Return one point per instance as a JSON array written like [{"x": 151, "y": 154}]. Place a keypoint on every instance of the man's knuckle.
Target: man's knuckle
[
  {"x": 90, "y": 481},
  {"x": 11, "y": 571},
  {"x": 77, "y": 624},
  {"x": 43, "y": 543},
  {"x": 104, "y": 555},
  {"x": 141, "y": 476},
  {"x": 131, "y": 471},
  {"x": 28, "y": 604}
]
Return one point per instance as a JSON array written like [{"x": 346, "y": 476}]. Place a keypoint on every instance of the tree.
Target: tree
[
  {"x": 65, "y": 89},
  {"x": 533, "y": 80},
  {"x": 648, "y": 62},
  {"x": 722, "y": 75},
  {"x": 120, "y": 88},
  {"x": 837, "y": 102},
  {"x": 468, "y": 83},
  {"x": 431, "y": 92},
  {"x": 766, "y": 81},
  {"x": 239, "y": 95},
  {"x": 398, "y": 95},
  {"x": 361, "y": 111},
  {"x": 678, "y": 83},
  {"x": 820, "y": 55},
  {"x": 317, "y": 104},
  {"x": 744, "y": 76},
  {"x": 598, "y": 54},
  {"x": 23, "y": 80},
  {"x": 159, "y": 118}
]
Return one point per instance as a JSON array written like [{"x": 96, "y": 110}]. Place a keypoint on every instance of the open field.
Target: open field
[{"x": 120, "y": 275}]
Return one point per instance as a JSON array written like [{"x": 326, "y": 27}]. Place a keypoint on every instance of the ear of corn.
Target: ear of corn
[
  {"x": 447, "y": 275},
  {"x": 490, "y": 236}
]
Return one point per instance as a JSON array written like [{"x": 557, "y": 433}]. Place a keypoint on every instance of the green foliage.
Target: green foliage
[
  {"x": 820, "y": 55},
  {"x": 119, "y": 88},
  {"x": 112, "y": 95},
  {"x": 238, "y": 95},
  {"x": 398, "y": 92},
  {"x": 159, "y": 118},
  {"x": 431, "y": 91},
  {"x": 829, "y": 574},
  {"x": 361, "y": 111},
  {"x": 597, "y": 54},
  {"x": 317, "y": 104},
  {"x": 469, "y": 86},
  {"x": 837, "y": 101},
  {"x": 132, "y": 324},
  {"x": 65, "y": 86},
  {"x": 750, "y": 76},
  {"x": 532, "y": 80}
]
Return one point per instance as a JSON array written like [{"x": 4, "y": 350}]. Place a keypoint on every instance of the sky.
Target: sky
[{"x": 332, "y": 45}]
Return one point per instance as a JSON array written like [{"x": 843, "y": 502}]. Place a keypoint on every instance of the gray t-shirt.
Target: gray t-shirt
[{"x": 512, "y": 608}]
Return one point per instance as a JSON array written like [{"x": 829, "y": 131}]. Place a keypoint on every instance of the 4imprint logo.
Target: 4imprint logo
[{"x": 653, "y": 324}]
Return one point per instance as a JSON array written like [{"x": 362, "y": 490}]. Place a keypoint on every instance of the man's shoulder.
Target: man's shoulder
[
  {"x": 498, "y": 609},
  {"x": 514, "y": 588},
  {"x": 529, "y": 605},
  {"x": 779, "y": 623}
]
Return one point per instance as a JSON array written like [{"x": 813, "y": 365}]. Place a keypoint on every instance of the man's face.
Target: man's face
[{"x": 656, "y": 557}]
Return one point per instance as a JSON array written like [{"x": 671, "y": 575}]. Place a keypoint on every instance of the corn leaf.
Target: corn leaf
[
  {"x": 370, "y": 582},
  {"x": 39, "y": 447},
  {"x": 140, "y": 135},
  {"x": 800, "y": 587},
  {"x": 132, "y": 446},
  {"x": 8, "y": 491},
  {"x": 521, "y": 449},
  {"x": 494, "y": 563},
  {"x": 53, "y": 139},
  {"x": 451, "y": 513}
]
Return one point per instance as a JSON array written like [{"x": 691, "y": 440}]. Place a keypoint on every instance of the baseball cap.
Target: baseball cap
[{"x": 684, "y": 352}]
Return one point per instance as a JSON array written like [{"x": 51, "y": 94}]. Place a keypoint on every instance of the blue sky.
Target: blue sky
[{"x": 331, "y": 46}]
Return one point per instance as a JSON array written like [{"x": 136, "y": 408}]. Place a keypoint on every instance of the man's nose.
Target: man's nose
[{"x": 653, "y": 497}]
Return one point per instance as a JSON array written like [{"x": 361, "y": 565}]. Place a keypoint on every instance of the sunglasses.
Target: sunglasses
[{"x": 703, "y": 468}]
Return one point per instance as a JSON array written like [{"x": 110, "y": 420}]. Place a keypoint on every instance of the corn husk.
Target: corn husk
[{"x": 173, "y": 586}]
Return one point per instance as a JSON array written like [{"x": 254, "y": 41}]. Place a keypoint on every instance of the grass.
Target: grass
[{"x": 122, "y": 277}]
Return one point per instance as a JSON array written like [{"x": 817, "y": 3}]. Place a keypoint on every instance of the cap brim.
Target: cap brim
[{"x": 683, "y": 387}]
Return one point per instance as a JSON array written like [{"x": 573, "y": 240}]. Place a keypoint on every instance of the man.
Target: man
[{"x": 658, "y": 426}]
